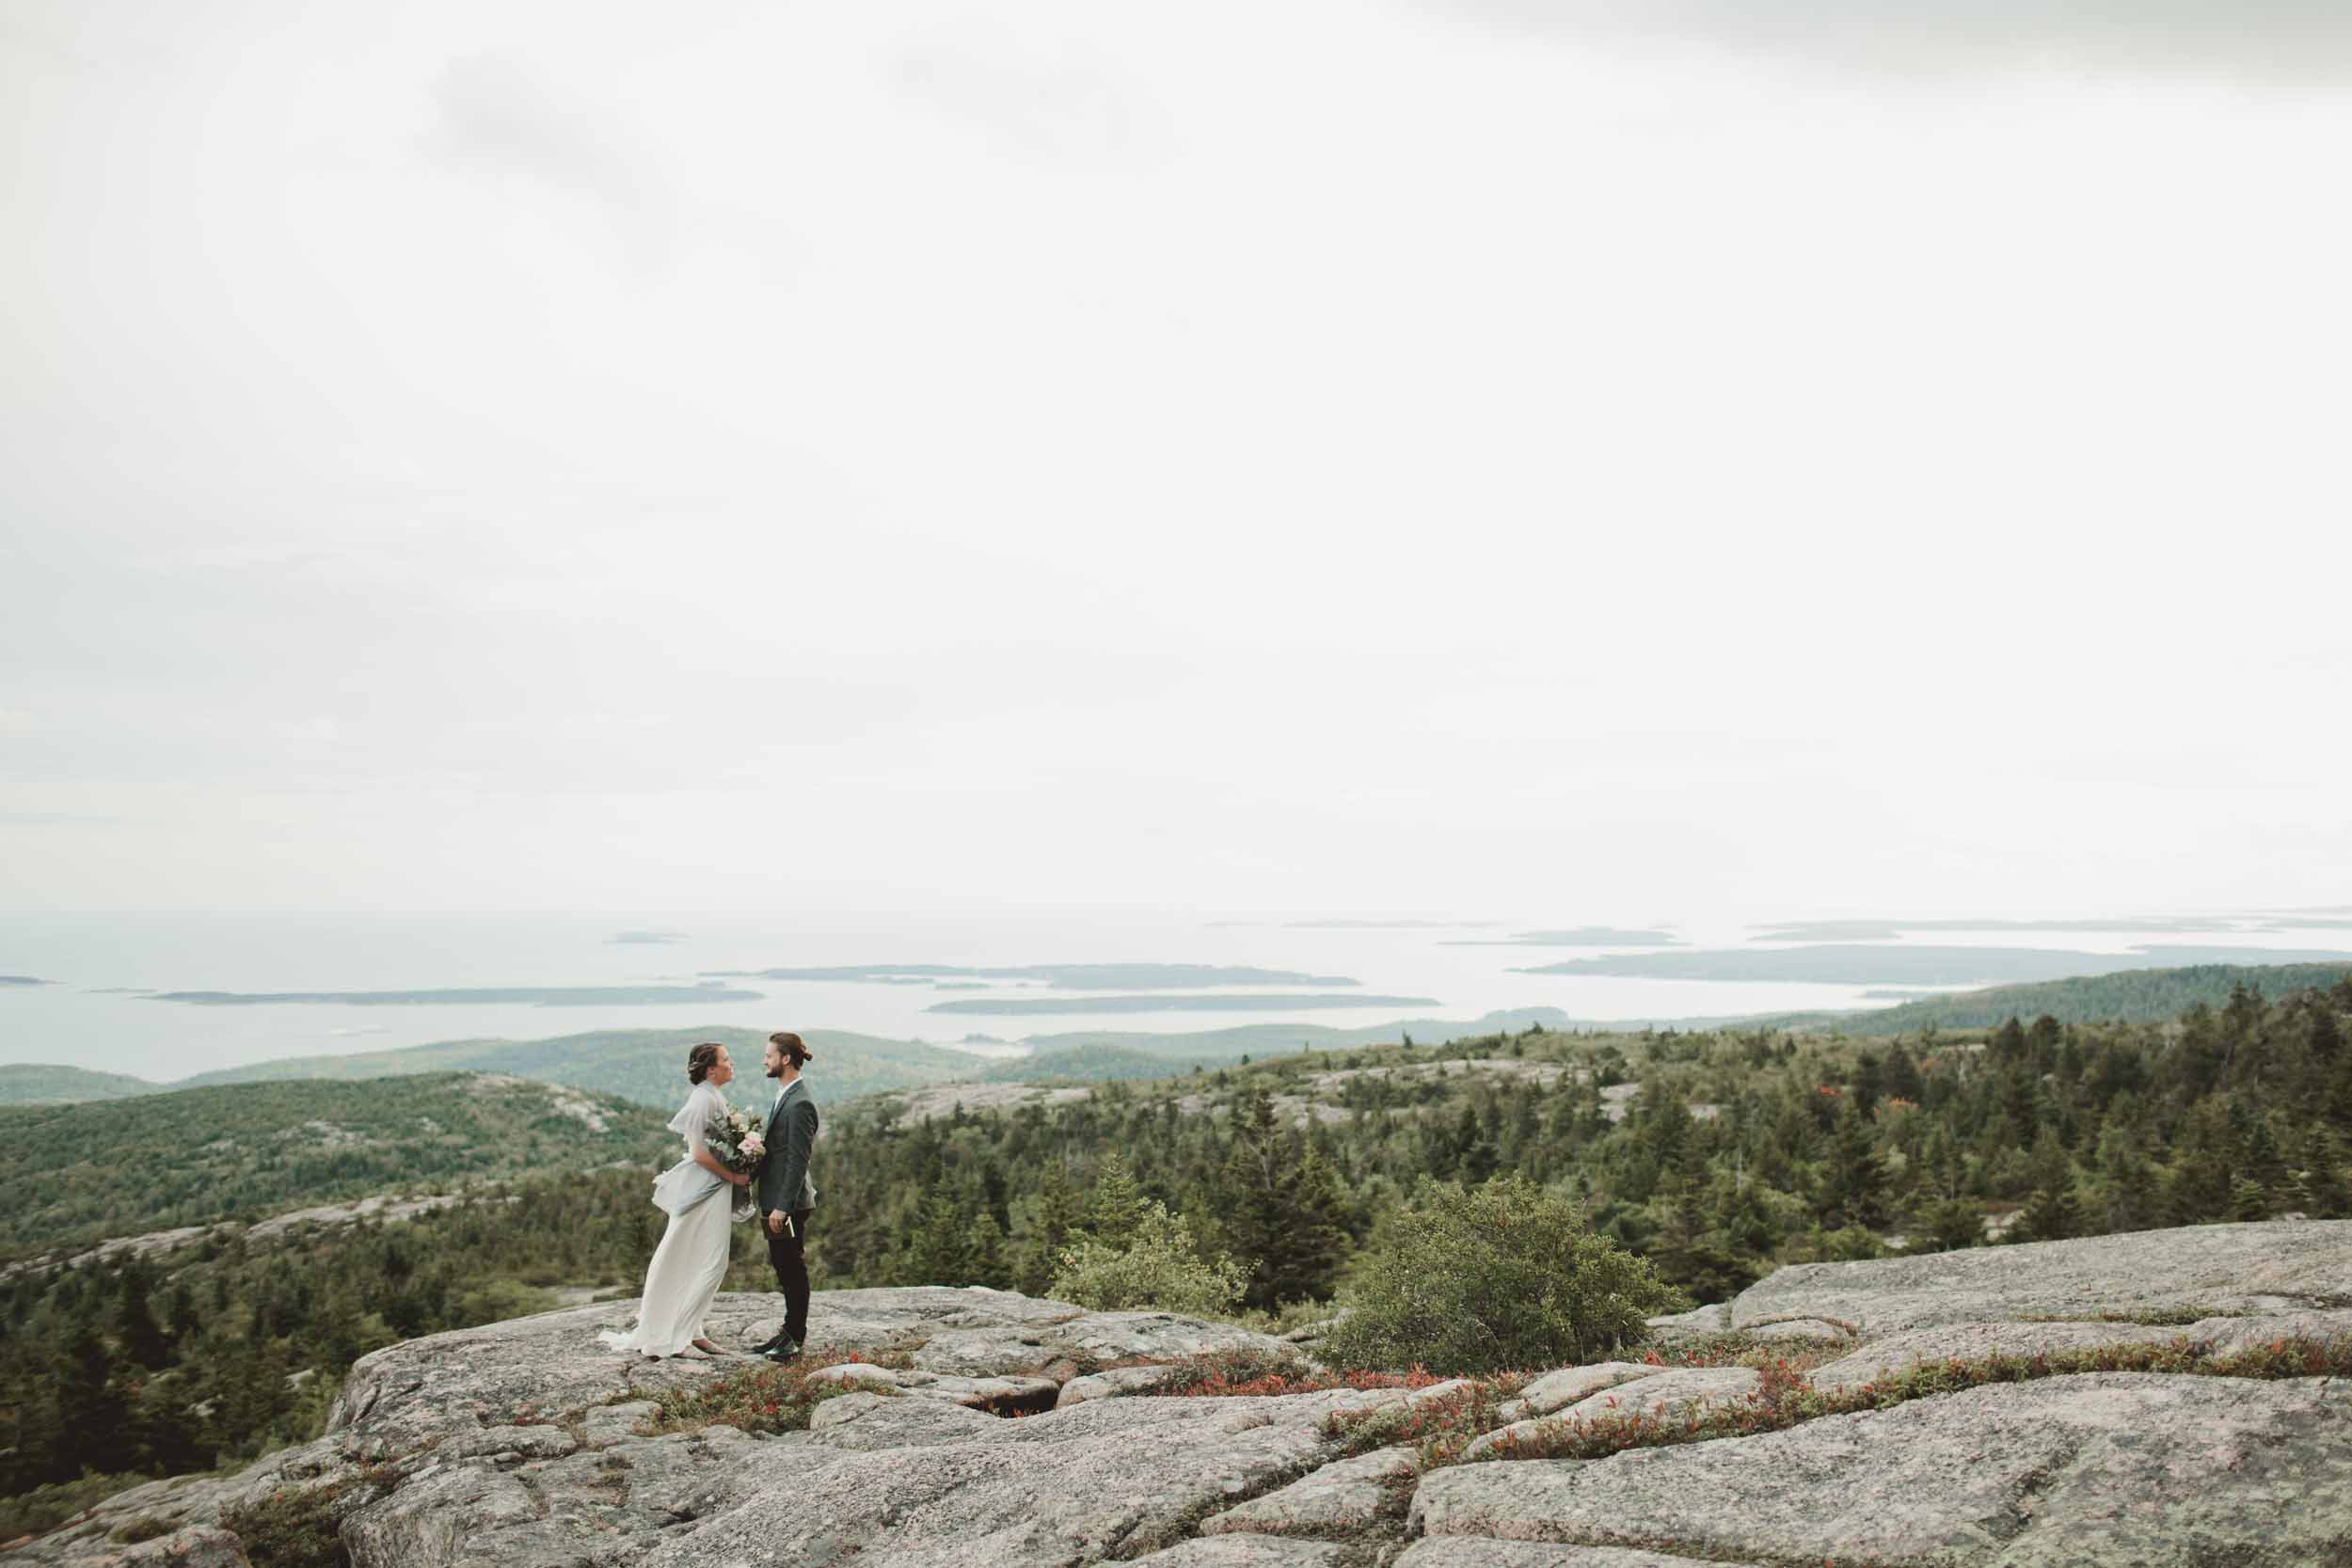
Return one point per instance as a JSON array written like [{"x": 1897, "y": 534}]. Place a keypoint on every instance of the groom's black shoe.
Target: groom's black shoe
[
  {"x": 781, "y": 1351},
  {"x": 770, "y": 1344}
]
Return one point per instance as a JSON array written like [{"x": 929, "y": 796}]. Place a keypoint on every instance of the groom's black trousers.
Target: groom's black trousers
[{"x": 785, "y": 1255}]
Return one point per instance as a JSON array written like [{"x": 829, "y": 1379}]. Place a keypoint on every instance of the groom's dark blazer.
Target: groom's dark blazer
[{"x": 784, "y": 1179}]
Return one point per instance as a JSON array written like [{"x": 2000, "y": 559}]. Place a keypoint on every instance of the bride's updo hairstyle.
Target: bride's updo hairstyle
[
  {"x": 794, "y": 1052},
  {"x": 700, "y": 1060}
]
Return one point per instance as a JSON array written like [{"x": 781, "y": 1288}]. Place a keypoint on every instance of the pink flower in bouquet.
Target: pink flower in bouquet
[{"x": 753, "y": 1146}]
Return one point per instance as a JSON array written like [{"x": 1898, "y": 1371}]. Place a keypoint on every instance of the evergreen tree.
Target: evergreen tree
[
  {"x": 95, "y": 1426},
  {"x": 1949, "y": 1224},
  {"x": 1854, "y": 1193},
  {"x": 142, "y": 1338},
  {"x": 2320, "y": 1189},
  {"x": 2048, "y": 1216},
  {"x": 1282, "y": 1210},
  {"x": 1055, "y": 1218}
]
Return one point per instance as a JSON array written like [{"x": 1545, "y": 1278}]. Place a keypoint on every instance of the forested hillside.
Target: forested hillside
[
  {"x": 1718, "y": 1155},
  {"x": 1735, "y": 1151},
  {"x": 77, "y": 1173},
  {"x": 23, "y": 1084},
  {"x": 2134, "y": 996},
  {"x": 644, "y": 1064}
]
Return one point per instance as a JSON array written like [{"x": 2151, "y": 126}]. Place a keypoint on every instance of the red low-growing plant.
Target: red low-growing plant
[
  {"x": 1251, "y": 1373},
  {"x": 762, "y": 1397},
  {"x": 1438, "y": 1429}
]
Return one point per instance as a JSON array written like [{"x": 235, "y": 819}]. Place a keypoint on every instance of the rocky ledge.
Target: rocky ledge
[{"x": 991, "y": 1428}]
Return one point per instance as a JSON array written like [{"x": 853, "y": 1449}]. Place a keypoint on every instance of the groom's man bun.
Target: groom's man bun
[
  {"x": 700, "y": 1060},
  {"x": 789, "y": 1043}
]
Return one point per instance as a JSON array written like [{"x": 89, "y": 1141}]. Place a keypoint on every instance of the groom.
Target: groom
[{"x": 786, "y": 1195}]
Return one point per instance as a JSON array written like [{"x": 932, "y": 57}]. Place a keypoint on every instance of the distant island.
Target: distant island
[
  {"x": 1236, "y": 1039},
  {"x": 1245, "y": 1004},
  {"x": 1122, "y": 976},
  {"x": 23, "y": 980},
  {"x": 1887, "y": 931},
  {"x": 2138, "y": 995},
  {"x": 1857, "y": 964},
  {"x": 527, "y": 996},
  {"x": 1382, "y": 925},
  {"x": 1582, "y": 936},
  {"x": 46, "y": 1083}
]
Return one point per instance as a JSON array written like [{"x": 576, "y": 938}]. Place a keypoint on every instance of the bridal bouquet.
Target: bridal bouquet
[{"x": 737, "y": 1146}]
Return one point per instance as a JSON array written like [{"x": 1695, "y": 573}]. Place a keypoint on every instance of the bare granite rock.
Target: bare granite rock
[
  {"x": 518, "y": 1443},
  {"x": 1900, "y": 1353},
  {"x": 202, "y": 1546},
  {"x": 1005, "y": 1394},
  {"x": 1472, "y": 1551},
  {"x": 608, "y": 1424},
  {"x": 1111, "y": 1477},
  {"x": 1111, "y": 1385},
  {"x": 2232, "y": 1335},
  {"x": 2073, "y": 1472},
  {"x": 1558, "y": 1390},
  {"x": 867, "y": 1422},
  {"x": 1669, "y": 1393},
  {"x": 1249, "y": 1551},
  {"x": 1341, "y": 1498},
  {"x": 1692, "y": 1324},
  {"x": 2280, "y": 1265},
  {"x": 1801, "y": 1328}
]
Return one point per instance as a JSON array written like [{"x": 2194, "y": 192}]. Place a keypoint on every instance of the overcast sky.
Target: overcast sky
[{"x": 1392, "y": 457}]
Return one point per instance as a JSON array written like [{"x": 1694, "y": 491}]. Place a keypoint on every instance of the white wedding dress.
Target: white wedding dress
[{"x": 692, "y": 1258}]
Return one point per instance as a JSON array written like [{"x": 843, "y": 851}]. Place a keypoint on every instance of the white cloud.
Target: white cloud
[
  {"x": 2273, "y": 40},
  {"x": 1244, "y": 457}
]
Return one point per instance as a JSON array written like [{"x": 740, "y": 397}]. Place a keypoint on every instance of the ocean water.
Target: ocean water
[{"x": 92, "y": 1013}]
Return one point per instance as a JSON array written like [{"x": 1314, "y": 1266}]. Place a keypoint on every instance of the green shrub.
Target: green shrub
[
  {"x": 1159, "y": 1267},
  {"x": 131, "y": 1531},
  {"x": 1488, "y": 1278},
  {"x": 294, "y": 1527}
]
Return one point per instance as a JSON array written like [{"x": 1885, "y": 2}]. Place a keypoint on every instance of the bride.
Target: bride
[{"x": 692, "y": 1256}]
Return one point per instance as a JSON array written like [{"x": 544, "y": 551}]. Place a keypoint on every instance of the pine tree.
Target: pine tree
[
  {"x": 2320, "y": 1189},
  {"x": 2052, "y": 1214},
  {"x": 1117, "y": 1208},
  {"x": 1949, "y": 1224},
  {"x": 1854, "y": 1191},
  {"x": 1282, "y": 1210},
  {"x": 1056, "y": 1217},
  {"x": 96, "y": 1418},
  {"x": 142, "y": 1338}
]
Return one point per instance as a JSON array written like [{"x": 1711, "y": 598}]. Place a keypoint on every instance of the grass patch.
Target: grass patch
[
  {"x": 1786, "y": 1400},
  {"x": 299, "y": 1526},
  {"x": 1741, "y": 1349},
  {"x": 45, "y": 1507},
  {"x": 2154, "y": 1316},
  {"x": 762, "y": 1399}
]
